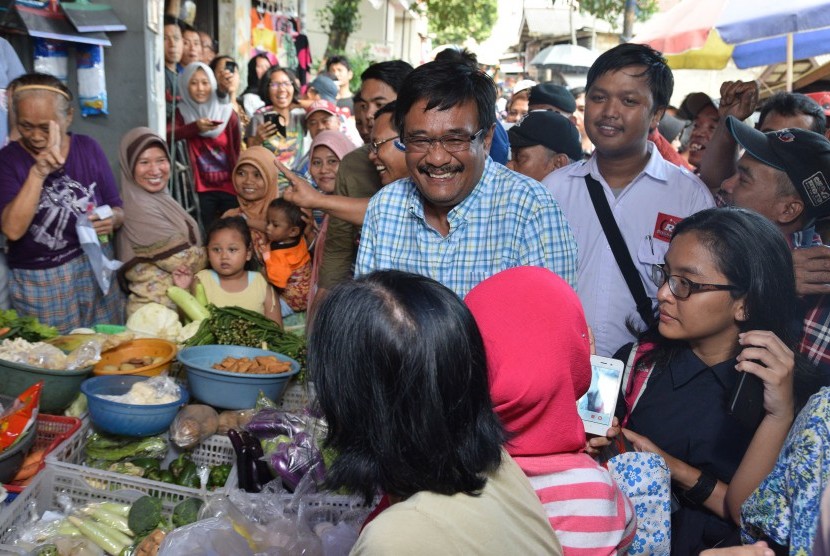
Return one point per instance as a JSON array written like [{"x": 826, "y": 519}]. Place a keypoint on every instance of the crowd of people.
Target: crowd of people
[{"x": 457, "y": 266}]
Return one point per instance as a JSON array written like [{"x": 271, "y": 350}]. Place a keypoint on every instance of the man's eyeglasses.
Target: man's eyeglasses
[
  {"x": 681, "y": 287},
  {"x": 375, "y": 145},
  {"x": 452, "y": 143}
]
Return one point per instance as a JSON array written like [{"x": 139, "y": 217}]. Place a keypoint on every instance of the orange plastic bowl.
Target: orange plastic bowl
[{"x": 142, "y": 347}]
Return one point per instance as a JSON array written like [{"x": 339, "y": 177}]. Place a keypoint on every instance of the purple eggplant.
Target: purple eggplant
[
  {"x": 268, "y": 423},
  {"x": 246, "y": 467},
  {"x": 260, "y": 467},
  {"x": 243, "y": 469},
  {"x": 293, "y": 461}
]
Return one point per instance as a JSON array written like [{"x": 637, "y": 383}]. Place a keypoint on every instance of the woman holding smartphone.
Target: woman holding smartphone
[
  {"x": 278, "y": 125},
  {"x": 726, "y": 300},
  {"x": 211, "y": 129}
]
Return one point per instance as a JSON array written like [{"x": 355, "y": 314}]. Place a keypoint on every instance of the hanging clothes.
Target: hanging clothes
[
  {"x": 301, "y": 45},
  {"x": 263, "y": 36}
]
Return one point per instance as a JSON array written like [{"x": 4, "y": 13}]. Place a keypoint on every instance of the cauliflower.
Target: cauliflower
[
  {"x": 188, "y": 330},
  {"x": 156, "y": 320}
]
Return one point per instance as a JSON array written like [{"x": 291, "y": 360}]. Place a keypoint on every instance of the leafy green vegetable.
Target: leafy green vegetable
[
  {"x": 145, "y": 515},
  {"x": 112, "y": 448},
  {"x": 28, "y": 328},
  {"x": 126, "y": 468},
  {"x": 186, "y": 512}
]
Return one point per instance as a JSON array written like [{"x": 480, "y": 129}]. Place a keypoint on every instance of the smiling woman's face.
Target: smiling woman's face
[
  {"x": 199, "y": 86},
  {"x": 281, "y": 90},
  {"x": 152, "y": 169},
  {"x": 249, "y": 183}
]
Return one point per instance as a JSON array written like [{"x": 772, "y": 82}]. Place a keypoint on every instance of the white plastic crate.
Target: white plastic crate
[
  {"x": 296, "y": 396},
  {"x": 214, "y": 450},
  {"x": 43, "y": 492}
]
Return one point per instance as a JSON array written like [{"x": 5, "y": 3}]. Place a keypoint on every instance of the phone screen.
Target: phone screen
[{"x": 598, "y": 404}]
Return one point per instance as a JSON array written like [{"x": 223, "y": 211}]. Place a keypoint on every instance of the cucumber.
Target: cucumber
[
  {"x": 200, "y": 295},
  {"x": 187, "y": 303}
]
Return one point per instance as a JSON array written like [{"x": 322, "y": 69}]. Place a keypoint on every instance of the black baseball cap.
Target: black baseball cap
[
  {"x": 555, "y": 95},
  {"x": 549, "y": 129},
  {"x": 803, "y": 155}
]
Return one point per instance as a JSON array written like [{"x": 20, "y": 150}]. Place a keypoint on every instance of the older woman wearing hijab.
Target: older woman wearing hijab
[
  {"x": 538, "y": 361},
  {"x": 48, "y": 180},
  {"x": 158, "y": 238},
  {"x": 255, "y": 182},
  {"x": 211, "y": 129}
]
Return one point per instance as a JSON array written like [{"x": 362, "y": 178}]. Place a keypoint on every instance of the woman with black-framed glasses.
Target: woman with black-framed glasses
[{"x": 726, "y": 302}]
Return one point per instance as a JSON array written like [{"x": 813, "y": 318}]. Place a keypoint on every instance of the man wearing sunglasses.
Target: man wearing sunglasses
[
  {"x": 460, "y": 217},
  {"x": 785, "y": 176}
]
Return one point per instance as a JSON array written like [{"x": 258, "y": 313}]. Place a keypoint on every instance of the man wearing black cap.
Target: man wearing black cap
[
  {"x": 542, "y": 143},
  {"x": 553, "y": 98},
  {"x": 785, "y": 176}
]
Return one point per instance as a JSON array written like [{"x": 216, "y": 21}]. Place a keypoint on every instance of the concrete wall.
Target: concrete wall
[{"x": 135, "y": 80}]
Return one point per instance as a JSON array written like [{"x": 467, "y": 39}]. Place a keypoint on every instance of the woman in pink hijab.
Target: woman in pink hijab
[{"x": 538, "y": 360}]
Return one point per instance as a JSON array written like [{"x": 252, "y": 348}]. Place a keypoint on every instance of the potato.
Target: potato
[
  {"x": 126, "y": 367},
  {"x": 193, "y": 423},
  {"x": 234, "y": 419},
  {"x": 109, "y": 368}
]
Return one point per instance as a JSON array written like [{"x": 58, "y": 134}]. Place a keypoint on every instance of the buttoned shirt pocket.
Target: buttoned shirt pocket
[{"x": 650, "y": 252}]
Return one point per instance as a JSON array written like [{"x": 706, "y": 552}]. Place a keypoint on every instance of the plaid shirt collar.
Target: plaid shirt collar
[{"x": 815, "y": 339}]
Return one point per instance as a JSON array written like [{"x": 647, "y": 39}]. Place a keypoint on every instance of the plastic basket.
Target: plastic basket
[
  {"x": 42, "y": 495},
  {"x": 51, "y": 431},
  {"x": 297, "y": 396},
  {"x": 215, "y": 450}
]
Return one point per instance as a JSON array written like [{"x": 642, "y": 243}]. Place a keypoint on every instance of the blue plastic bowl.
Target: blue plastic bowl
[
  {"x": 123, "y": 418},
  {"x": 231, "y": 390}
]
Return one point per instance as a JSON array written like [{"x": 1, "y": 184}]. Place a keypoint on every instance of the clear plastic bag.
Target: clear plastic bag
[
  {"x": 153, "y": 391},
  {"x": 45, "y": 356},
  {"x": 85, "y": 355},
  {"x": 263, "y": 523},
  {"x": 92, "y": 86},
  {"x": 215, "y": 535}
]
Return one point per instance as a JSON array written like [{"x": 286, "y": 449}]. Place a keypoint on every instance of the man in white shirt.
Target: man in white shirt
[{"x": 628, "y": 89}]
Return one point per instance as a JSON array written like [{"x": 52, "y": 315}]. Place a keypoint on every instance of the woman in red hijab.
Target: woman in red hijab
[{"x": 538, "y": 360}]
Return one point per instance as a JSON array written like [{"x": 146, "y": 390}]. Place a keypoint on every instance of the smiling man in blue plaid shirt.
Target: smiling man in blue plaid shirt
[{"x": 460, "y": 217}]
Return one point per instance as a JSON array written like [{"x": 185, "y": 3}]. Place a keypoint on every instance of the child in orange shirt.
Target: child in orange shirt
[{"x": 287, "y": 260}]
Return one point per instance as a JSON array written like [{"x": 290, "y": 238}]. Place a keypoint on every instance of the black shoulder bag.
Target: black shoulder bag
[{"x": 620, "y": 250}]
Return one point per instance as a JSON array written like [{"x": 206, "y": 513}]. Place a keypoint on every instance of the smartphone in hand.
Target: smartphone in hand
[
  {"x": 276, "y": 119},
  {"x": 597, "y": 406}
]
